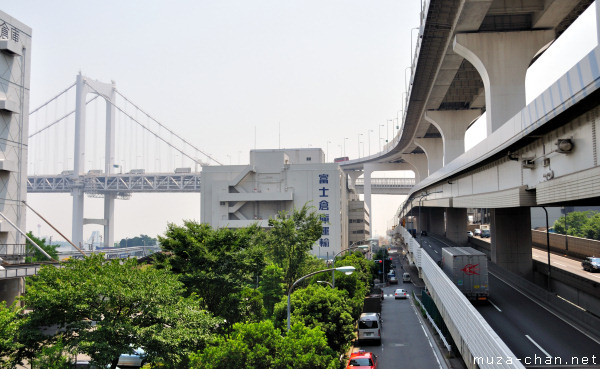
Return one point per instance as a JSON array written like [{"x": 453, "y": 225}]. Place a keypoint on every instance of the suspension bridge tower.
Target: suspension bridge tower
[{"x": 85, "y": 86}]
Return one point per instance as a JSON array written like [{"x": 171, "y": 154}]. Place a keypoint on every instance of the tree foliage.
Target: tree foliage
[
  {"x": 272, "y": 287},
  {"x": 323, "y": 307},
  {"x": 261, "y": 345},
  {"x": 215, "y": 264},
  {"x": 585, "y": 224},
  {"x": 106, "y": 308},
  {"x": 10, "y": 325},
  {"x": 290, "y": 240},
  {"x": 141, "y": 240},
  {"x": 37, "y": 254}
]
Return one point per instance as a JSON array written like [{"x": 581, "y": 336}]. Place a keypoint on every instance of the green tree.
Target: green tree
[
  {"x": 216, "y": 264},
  {"x": 272, "y": 287},
  {"x": 323, "y": 307},
  {"x": 591, "y": 229},
  {"x": 290, "y": 240},
  {"x": 52, "y": 357},
  {"x": 142, "y": 240},
  {"x": 107, "y": 308},
  {"x": 37, "y": 254},
  {"x": 10, "y": 325},
  {"x": 576, "y": 221},
  {"x": 261, "y": 345}
]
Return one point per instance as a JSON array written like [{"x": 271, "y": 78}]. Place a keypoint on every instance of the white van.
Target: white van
[
  {"x": 369, "y": 327},
  {"x": 405, "y": 277}
]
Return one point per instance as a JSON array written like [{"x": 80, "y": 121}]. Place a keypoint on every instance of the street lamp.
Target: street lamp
[
  {"x": 369, "y": 133},
  {"x": 381, "y": 125},
  {"x": 362, "y": 247},
  {"x": 325, "y": 282},
  {"x": 345, "y": 138},
  {"x": 349, "y": 269},
  {"x": 360, "y": 134}
]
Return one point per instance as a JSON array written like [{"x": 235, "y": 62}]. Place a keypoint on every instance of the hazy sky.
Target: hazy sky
[{"x": 299, "y": 73}]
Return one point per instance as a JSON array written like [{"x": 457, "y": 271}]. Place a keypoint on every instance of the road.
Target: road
[
  {"x": 405, "y": 341},
  {"x": 528, "y": 329}
]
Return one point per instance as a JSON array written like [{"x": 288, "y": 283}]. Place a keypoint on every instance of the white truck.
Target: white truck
[{"x": 468, "y": 269}]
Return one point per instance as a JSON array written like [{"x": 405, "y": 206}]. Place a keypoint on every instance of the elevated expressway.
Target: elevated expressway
[{"x": 471, "y": 57}]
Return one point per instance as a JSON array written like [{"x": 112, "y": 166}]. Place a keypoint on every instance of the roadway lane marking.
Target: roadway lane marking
[
  {"x": 538, "y": 346},
  {"x": 527, "y": 296},
  {"x": 494, "y": 305},
  {"x": 435, "y": 251}
]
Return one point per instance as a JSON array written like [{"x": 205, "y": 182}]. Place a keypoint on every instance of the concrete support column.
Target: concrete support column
[
  {"x": 452, "y": 124},
  {"x": 511, "y": 239},
  {"x": 434, "y": 149},
  {"x": 598, "y": 19},
  {"x": 109, "y": 149},
  {"x": 10, "y": 289},
  {"x": 436, "y": 221},
  {"x": 502, "y": 59},
  {"x": 79, "y": 160},
  {"x": 368, "y": 170},
  {"x": 419, "y": 162},
  {"x": 456, "y": 225}
]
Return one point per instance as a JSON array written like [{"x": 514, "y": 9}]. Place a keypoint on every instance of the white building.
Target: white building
[
  {"x": 236, "y": 196},
  {"x": 15, "y": 63}
]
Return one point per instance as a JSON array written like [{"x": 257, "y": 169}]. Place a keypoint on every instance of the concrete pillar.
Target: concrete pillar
[
  {"x": 367, "y": 193},
  {"x": 419, "y": 162},
  {"x": 436, "y": 221},
  {"x": 456, "y": 225},
  {"x": 598, "y": 19},
  {"x": 434, "y": 149},
  {"x": 502, "y": 59},
  {"x": 10, "y": 289},
  {"x": 109, "y": 150},
  {"x": 452, "y": 125},
  {"x": 79, "y": 160},
  {"x": 511, "y": 239}
]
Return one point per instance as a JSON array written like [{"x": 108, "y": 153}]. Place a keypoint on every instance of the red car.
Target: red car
[{"x": 362, "y": 360}]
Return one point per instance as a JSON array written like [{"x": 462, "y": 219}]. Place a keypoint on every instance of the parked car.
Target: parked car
[
  {"x": 369, "y": 327},
  {"x": 591, "y": 264},
  {"x": 362, "y": 359},
  {"x": 485, "y": 233},
  {"x": 469, "y": 234},
  {"x": 477, "y": 232},
  {"x": 400, "y": 294}
]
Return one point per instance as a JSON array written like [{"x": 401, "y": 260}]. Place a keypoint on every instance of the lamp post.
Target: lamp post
[
  {"x": 345, "y": 269},
  {"x": 345, "y": 138},
  {"x": 325, "y": 282},
  {"x": 369, "y": 133},
  {"x": 360, "y": 134},
  {"x": 362, "y": 247},
  {"x": 381, "y": 125}
]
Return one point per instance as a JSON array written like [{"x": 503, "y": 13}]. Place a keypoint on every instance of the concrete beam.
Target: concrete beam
[
  {"x": 502, "y": 59},
  {"x": 452, "y": 124},
  {"x": 434, "y": 149}
]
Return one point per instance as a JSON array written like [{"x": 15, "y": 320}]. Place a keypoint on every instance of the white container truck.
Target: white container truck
[{"x": 468, "y": 269}]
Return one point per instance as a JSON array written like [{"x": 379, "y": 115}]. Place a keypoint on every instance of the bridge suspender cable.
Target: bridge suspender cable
[
  {"x": 59, "y": 119},
  {"x": 53, "y": 227},
  {"x": 163, "y": 126},
  {"x": 52, "y": 99},
  {"x": 27, "y": 237}
]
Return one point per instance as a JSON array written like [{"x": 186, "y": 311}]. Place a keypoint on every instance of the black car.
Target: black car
[
  {"x": 423, "y": 233},
  {"x": 591, "y": 263}
]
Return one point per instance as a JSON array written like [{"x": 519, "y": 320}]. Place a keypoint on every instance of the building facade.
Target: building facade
[
  {"x": 235, "y": 196},
  {"x": 15, "y": 62},
  {"x": 358, "y": 220}
]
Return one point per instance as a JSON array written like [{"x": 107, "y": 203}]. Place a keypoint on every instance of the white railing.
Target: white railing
[{"x": 478, "y": 343}]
